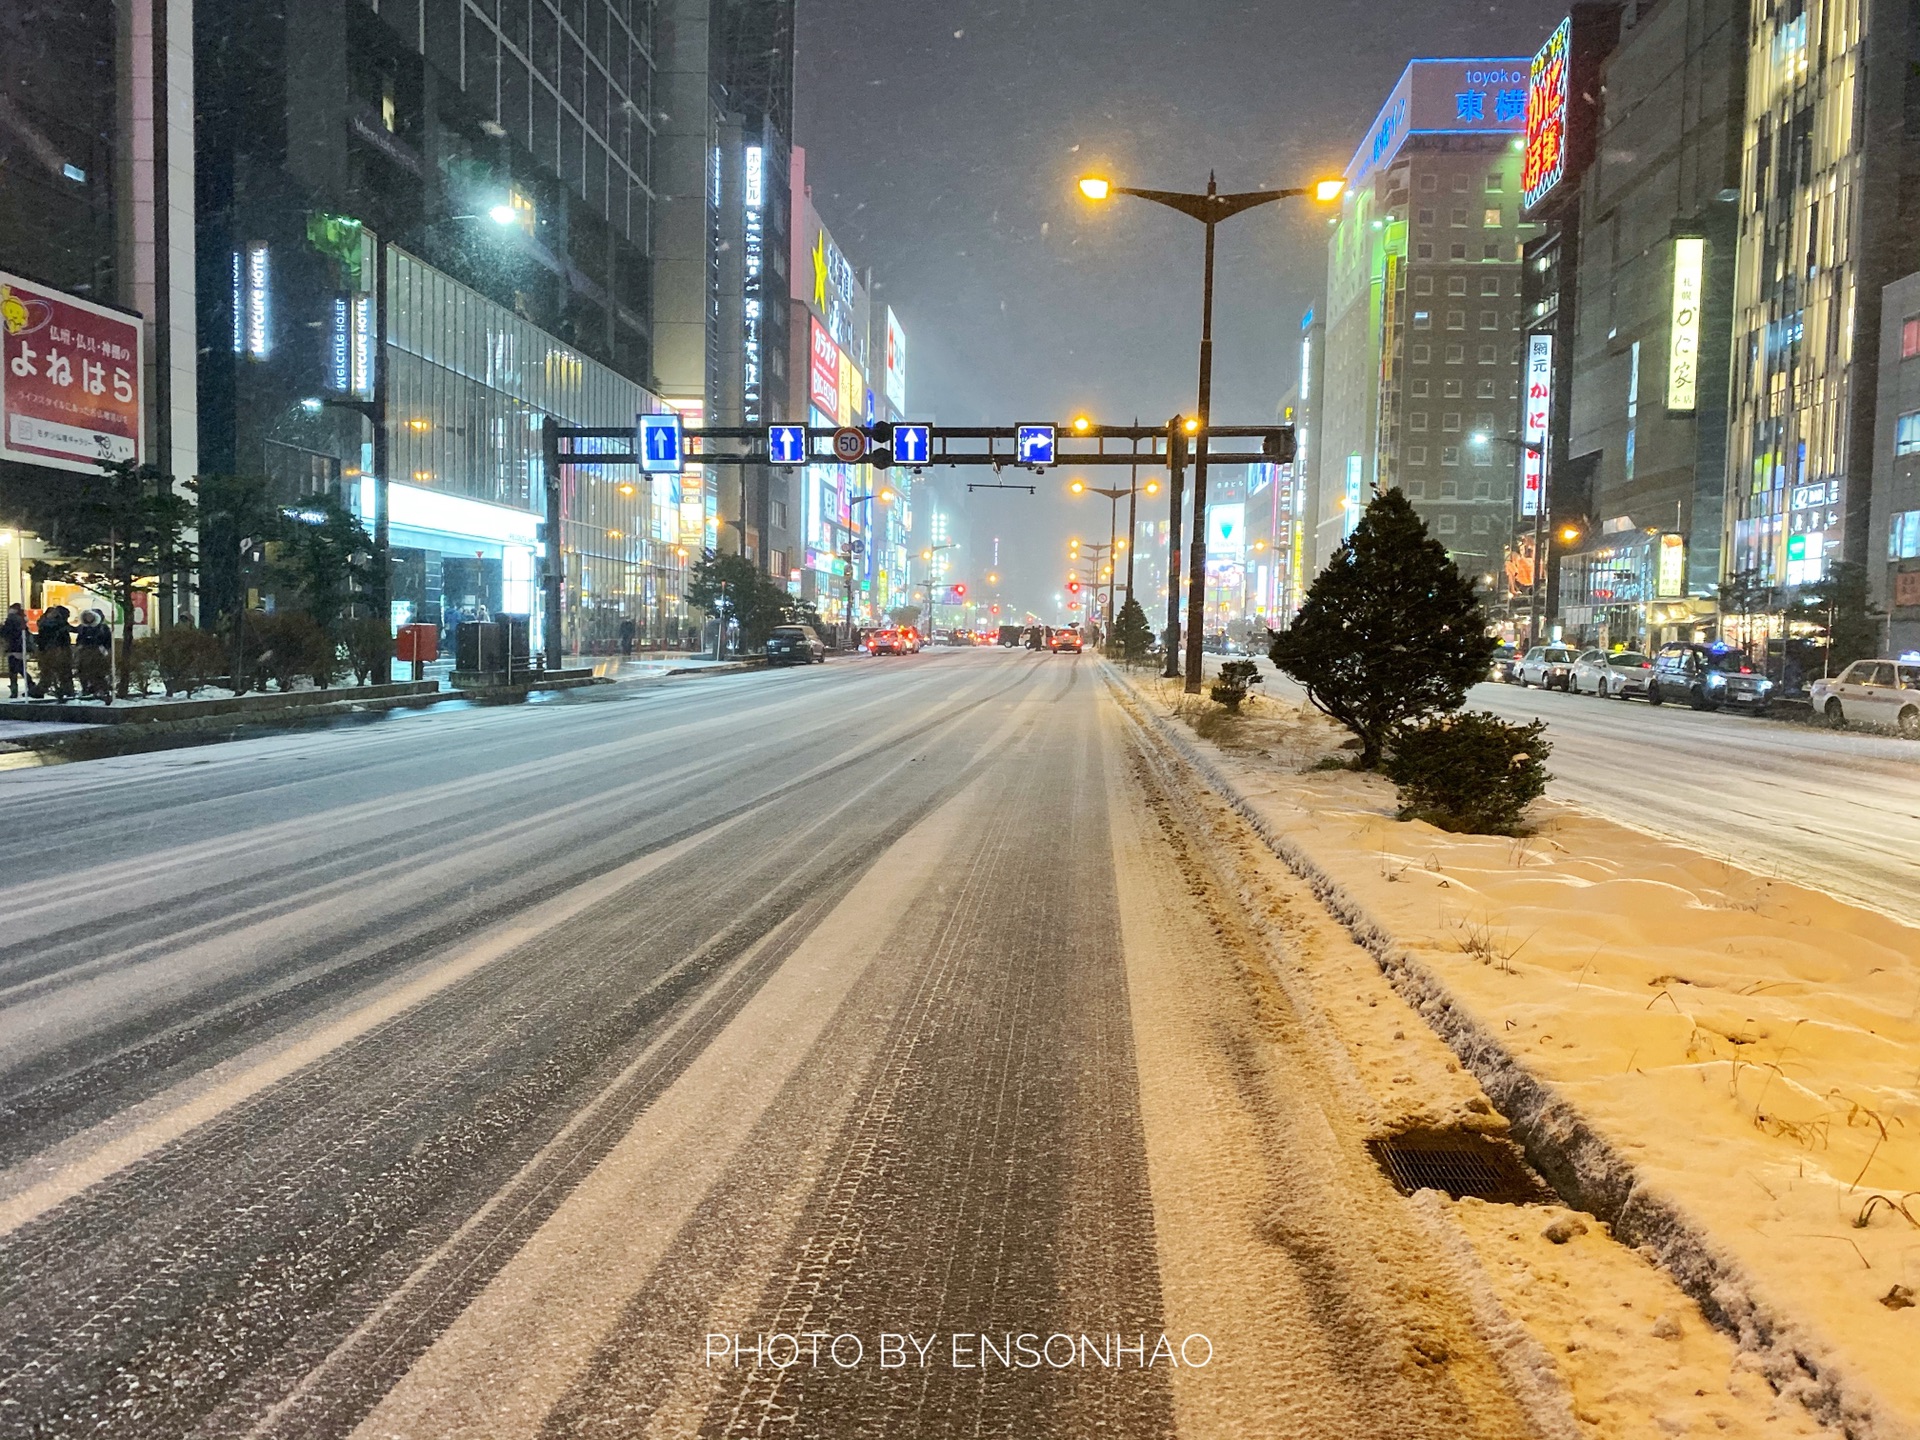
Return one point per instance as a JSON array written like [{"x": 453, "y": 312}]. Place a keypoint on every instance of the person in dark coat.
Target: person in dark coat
[
  {"x": 54, "y": 640},
  {"x": 628, "y": 630},
  {"x": 15, "y": 635},
  {"x": 93, "y": 656}
]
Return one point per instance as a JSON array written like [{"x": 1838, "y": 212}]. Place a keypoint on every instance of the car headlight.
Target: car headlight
[
  {"x": 1716, "y": 678},
  {"x": 1766, "y": 685}
]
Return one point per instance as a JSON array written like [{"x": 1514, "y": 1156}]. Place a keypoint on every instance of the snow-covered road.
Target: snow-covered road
[
  {"x": 1834, "y": 810},
  {"x": 530, "y": 1071}
]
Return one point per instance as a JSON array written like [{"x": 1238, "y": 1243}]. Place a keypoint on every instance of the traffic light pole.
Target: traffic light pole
[
  {"x": 1176, "y": 486},
  {"x": 1197, "y": 562}
]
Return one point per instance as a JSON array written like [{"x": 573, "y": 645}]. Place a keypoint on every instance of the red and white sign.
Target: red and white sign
[
  {"x": 69, "y": 379},
  {"x": 824, "y": 381},
  {"x": 1539, "y": 382}
]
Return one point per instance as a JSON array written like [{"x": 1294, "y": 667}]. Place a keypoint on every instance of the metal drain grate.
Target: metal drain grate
[{"x": 1460, "y": 1163}]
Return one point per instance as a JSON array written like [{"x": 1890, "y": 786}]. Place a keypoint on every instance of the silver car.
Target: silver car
[
  {"x": 1611, "y": 676},
  {"x": 1548, "y": 666},
  {"x": 1872, "y": 692}
]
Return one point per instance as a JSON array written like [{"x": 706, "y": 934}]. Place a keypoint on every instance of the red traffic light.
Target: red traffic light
[
  {"x": 996, "y": 610},
  {"x": 960, "y": 591},
  {"x": 1073, "y": 587},
  {"x": 1073, "y": 605}
]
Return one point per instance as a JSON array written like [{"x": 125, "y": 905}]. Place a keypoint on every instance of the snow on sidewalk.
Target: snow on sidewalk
[{"x": 1724, "y": 1067}]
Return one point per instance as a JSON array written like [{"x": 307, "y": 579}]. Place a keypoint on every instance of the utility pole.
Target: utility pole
[
  {"x": 382, "y": 550},
  {"x": 1133, "y": 512},
  {"x": 1176, "y": 486},
  {"x": 554, "y": 563},
  {"x": 1197, "y": 559}
]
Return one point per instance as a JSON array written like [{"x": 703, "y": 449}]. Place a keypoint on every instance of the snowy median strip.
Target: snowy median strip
[{"x": 1725, "y": 1068}]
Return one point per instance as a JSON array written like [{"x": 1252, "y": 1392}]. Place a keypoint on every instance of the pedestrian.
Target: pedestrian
[
  {"x": 13, "y": 634},
  {"x": 627, "y": 632},
  {"x": 54, "y": 640},
  {"x": 93, "y": 656}
]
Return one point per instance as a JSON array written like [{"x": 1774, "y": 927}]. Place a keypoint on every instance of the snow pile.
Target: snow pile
[{"x": 1724, "y": 1067}]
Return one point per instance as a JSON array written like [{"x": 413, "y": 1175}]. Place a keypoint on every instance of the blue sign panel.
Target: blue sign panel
[
  {"x": 912, "y": 444},
  {"x": 1033, "y": 445},
  {"x": 787, "y": 444},
  {"x": 660, "y": 443}
]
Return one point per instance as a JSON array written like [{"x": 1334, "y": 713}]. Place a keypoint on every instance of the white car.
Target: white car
[
  {"x": 1548, "y": 666},
  {"x": 1872, "y": 692},
  {"x": 1611, "y": 676}
]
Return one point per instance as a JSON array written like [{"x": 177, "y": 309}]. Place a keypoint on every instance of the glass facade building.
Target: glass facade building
[
  {"x": 1823, "y": 228},
  {"x": 468, "y": 382}
]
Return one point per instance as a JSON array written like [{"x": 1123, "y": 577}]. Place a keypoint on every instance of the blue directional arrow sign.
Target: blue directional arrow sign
[
  {"x": 661, "y": 444},
  {"x": 1033, "y": 445},
  {"x": 787, "y": 444},
  {"x": 912, "y": 444}
]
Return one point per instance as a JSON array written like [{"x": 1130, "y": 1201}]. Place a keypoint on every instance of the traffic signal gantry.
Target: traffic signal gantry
[{"x": 657, "y": 443}]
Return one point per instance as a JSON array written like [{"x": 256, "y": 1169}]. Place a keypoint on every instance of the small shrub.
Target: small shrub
[
  {"x": 183, "y": 659},
  {"x": 368, "y": 644},
  {"x": 291, "y": 646},
  {"x": 1235, "y": 676},
  {"x": 1473, "y": 772}
]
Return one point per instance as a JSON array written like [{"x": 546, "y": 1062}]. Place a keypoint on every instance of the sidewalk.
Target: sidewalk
[{"x": 1720, "y": 1065}]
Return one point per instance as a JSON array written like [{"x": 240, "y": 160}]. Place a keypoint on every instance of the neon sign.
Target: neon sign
[{"x": 1544, "y": 163}]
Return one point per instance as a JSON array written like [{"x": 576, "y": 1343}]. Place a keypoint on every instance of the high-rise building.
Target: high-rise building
[
  {"x": 482, "y": 179},
  {"x": 1422, "y": 316},
  {"x": 96, "y": 236},
  {"x": 1652, "y": 320},
  {"x": 1827, "y": 215}
]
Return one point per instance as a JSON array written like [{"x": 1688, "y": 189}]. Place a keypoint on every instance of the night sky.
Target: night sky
[{"x": 943, "y": 140}]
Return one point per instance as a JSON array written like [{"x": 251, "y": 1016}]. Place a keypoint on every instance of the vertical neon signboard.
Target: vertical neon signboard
[
  {"x": 1683, "y": 346},
  {"x": 1539, "y": 407},
  {"x": 1544, "y": 161}
]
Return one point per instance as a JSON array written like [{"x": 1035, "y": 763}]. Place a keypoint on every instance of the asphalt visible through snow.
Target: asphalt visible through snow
[{"x": 575, "y": 1069}]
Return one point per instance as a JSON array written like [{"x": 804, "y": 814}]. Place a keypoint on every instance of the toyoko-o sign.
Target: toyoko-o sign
[
  {"x": 1443, "y": 97},
  {"x": 1544, "y": 161},
  {"x": 1683, "y": 345},
  {"x": 69, "y": 379}
]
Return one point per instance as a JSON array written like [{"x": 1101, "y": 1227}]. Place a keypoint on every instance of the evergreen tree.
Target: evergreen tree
[
  {"x": 1132, "y": 634},
  {"x": 118, "y": 529},
  {"x": 1390, "y": 631},
  {"x": 732, "y": 587}
]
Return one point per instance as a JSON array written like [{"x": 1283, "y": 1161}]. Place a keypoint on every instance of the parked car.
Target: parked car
[
  {"x": 1707, "y": 677},
  {"x": 1501, "y": 666},
  {"x": 1548, "y": 666},
  {"x": 886, "y": 642},
  {"x": 1065, "y": 641},
  {"x": 1872, "y": 692},
  {"x": 1611, "y": 676},
  {"x": 795, "y": 645}
]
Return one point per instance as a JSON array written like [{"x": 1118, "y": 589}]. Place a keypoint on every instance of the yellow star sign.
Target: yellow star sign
[{"x": 820, "y": 273}]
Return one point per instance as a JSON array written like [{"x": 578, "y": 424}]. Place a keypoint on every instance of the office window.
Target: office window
[
  {"x": 1456, "y": 354},
  {"x": 1429, "y": 182},
  {"x": 1450, "y": 420},
  {"x": 1423, "y": 284},
  {"x": 1449, "y": 489},
  {"x": 1446, "y": 525},
  {"x": 1483, "y": 390},
  {"x": 1481, "y": 524},
  {"x": 1459, "y": 217},
  {"x": 1456, "y": 252},
  {"x": 1450, "y": 455},
  {"x": 1906, "y": 433},
  {"x": 1451, "y": 389},
  {"x": 1422, "y": 354},
  {"x": 1417, "y": 421},
  {"x": 1482, "y": 489},
  {"x": 1459, "y": 184},
  {"x": 1489, "y": 355},
  {"x": 1419, "y": 389},
  {"x": 1491, "y": 252},
  {"x": 1456, "y": 285},
  {"x": 1456, "y": 319},
  {"x": 1416, "y": 454},
  {"x": 1417, "y": 488},
  {"x": 1910, "y": 337},
  {"x": 1496, "y": 182},
  {"x": 1483, "y": 457},
  {"x": 1489, "y": 284},
  {"x": 1424, "y": 215},
  {"x": 1489, "y": 319},
  {"x": 1423, "y": 319},
  {"x": 1491, "y": 220},
  {"x": 1423, "y": 251}
]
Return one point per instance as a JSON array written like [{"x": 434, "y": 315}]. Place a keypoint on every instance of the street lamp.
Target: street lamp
[
  {"x": 885, "y": 496},
  {"x": 1209, "y": 209}
]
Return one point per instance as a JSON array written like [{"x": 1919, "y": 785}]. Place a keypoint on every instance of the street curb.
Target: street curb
[
  {"x": 1583, "y": 1166},
  {"x": 141, "y": 711},
  {"x": 100, "y": 741}
]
